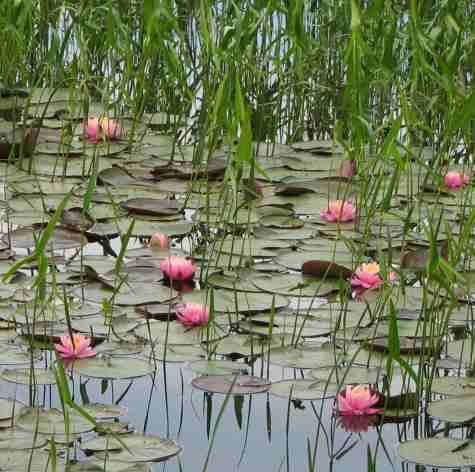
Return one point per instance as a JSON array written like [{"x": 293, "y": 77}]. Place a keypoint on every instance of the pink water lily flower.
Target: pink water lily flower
[
  {"x": 79, "y": 347},
  {"x": 92, "y": 130},
  {"x": 97, "y": 129},
  {"x": 367, "y": 276},
  {"x": 455, "y": 180},
  {"x": 358, "y": 400},
  {"x": 339, "y": 211},
  {"x": 178, "y": 268},
  {"x": 192, "y": 314},
  {"x": 111, "y": 128},
  {"x": 159, "y": 241}
]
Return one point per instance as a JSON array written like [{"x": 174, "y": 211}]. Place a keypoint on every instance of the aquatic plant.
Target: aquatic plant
[
  {"x": 98, "y": 129},
  {"x": 192, "y": 314},
  {"x": 455, "y": 180},
  {"x": 159, "y": 241},
  {"x": 339, "y": 211},
  {"x": 358, "y": 400},
  {"x": 368, "y": 276},
  {"x": 76, "y": 347},
  {"x": 178, "y": 269}
]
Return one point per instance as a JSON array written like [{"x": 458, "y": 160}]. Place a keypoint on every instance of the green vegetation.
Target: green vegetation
[{"x": 313, "y": 160}]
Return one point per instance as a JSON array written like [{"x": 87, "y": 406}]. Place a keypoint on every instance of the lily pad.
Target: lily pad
[
  {"x": 28, "y": 376},
  {"x": 15, "y": 356},
  {"x": 152, "y": 206},
  {"x": 51, "y": 421},
  {"x": 129, "y": 294},
  {"x": 9, "y": 408},
  {"x": 174, "y": 353},
  {"x": 113, "y": 368},
  {"x": 101, "y": 411},
  {"x": 140, "y": 447},
  {"x": 243, "y": 384},
  {"x": 347, "y": 375},
  {"x": 15, "y": 439},
  {"x": 454, "y": 409},
  {"x": 453, "y": 385},
  {"x": 305, "y": 358},
  {"x": 217, "y": 367},
  {"x": 439, "y": 452},
  {"x": 226, "y": 301},
  {"x": 296, "y": 285},
  {"x": 303, "y": 389},
  {"x": 62, "y": 238}
]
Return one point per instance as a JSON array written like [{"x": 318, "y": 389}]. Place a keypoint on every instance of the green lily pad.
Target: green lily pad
[
  {"x": 347, "y": 375},
  {"x": 97, "y": 465},
  {"x": 248, "y": 345},
  {"x": 303, "y": 389},
  {"x": 28, "y": 376},
  {"x": 38, "y": 461},
  {"x": 174, "y": 353},
  {"x": 305, "y": 358},
  {"x": 100, "y": 326},
  {"x": 332, "y": 252},
  {"x": 295, "y": 285},
  {"x": 51, "y": 421},
  {"x": 226, "y": 301},
  {"x": 454, "y": 409},
  {"x": 101, "y": 411},
  {"x": 14, "y": 356},
  {"x": 243, "y": 384},
  {"x": 130, "y": 294},
  {"x": 15, "y": 439},
  {"x": 453, "y": 385},
  {"x": 439, "y": 452},
  {"x": 62, "y": 238},
  {"x": 217, "y": 367},
  {"x": 9, "y": 408},
  {"x": 113, "y": 368},
  {"x": 140, "y": 447},
  {"x": 173, "y": 332}
]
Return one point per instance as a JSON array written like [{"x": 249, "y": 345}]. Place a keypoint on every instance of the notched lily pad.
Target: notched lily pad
[
  {"x": 453, "y": 386},
  {"x": 51, "y": 421},
  {"x": 113, "y": 368},
  {"x": 134, "y": 447},
  {"x": 28, "y": 376},
  {"x": 454, "y": 409},
  {"x": 439, "y": 452},
  {"x": 243, "y": 384},
  {"x": 304, "y": 389},
  {"x": 152, "y": 206}
]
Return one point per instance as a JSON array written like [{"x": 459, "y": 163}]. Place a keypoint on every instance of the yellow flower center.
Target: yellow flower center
[{"x": 371, "y": 268}]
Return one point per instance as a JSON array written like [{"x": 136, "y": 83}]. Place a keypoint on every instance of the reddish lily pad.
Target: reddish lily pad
[{"x": 152, "y": 206}]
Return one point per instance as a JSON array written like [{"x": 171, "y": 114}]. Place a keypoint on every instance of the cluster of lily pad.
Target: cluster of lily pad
[{"x": 290, "y": 269}]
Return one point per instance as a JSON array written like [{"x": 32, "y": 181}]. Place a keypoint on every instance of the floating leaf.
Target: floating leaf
[
  {"x": 243, "y": 384},
  {"x": 439, "y": 452},
  {"x": 28, "y": 376},
  {"x": 303, "y": 389},
  {"x": 113, "y": 368},
  {"x": 140, "y": 447},
  {"x": 454, "y": 409}
]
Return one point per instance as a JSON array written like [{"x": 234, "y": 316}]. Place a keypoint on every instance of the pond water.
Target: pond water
[{"x": 306, "y": 290}]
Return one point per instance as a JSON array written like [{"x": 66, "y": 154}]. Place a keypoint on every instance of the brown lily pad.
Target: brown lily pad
[
  {"x": 325, "y": 269},
  {"x": 152, "y": 206}
]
